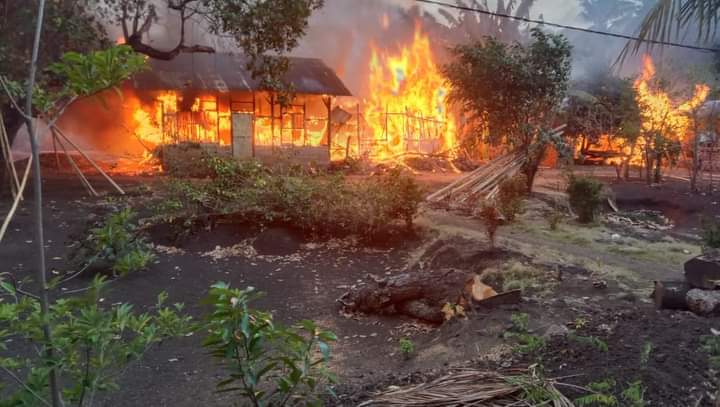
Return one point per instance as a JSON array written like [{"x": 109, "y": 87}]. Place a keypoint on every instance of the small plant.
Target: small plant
[
  {"x": 592, "y": 341},
  {"x": 407, "y": 347},
  {"x": 516, "y": 276},
  {"x": 711, "y": 233},
  {"x": 520, "y": 322},
  {"x": 601, "y": 394},
  {"x": 527, "y": 343},
  {"x": 580, "y": 323},
  {"x": 91, "y": 342},
  {"x": 645, "y": 353},
  {"x": 490, "y": 217},
  {"x": 511, "y": 195},
  {"x": 554, "y": 219},
  {"x": 634, "y": 395},
  {"x": 119, "y": 242},
  {"x": 268, "y": 364},
  {"x": 585, "y": 195},
  {"x": 710, "y": 344}
]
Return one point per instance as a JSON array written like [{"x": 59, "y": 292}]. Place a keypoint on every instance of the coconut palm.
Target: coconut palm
[{"x": 669, "y": 19}]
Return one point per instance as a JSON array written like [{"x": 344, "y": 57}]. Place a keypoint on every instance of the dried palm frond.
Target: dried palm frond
[{"x": 472, "y": 387}]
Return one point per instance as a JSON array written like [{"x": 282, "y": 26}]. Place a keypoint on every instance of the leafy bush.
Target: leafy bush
[
  {"x": 511, "y": 195},
  {"x": 119, "y": 242},
  {"x": 91, "y": 344},
  {"x": 268, "y": 364},
  {"x": 490, "y": 217},
  {"x": 321, "y": 204},
  {"x": 585, "y": 197}
]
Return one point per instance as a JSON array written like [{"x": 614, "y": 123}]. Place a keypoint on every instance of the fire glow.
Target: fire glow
[
  {"x": 406, "y": 112},
  {"x": 408, "y": 101},
  {"x": 659, "y": 113}
]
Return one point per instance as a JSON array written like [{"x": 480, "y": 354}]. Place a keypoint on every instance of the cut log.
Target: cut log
[
  {"x": 420, "y": 294},
  {"x": 671, "y": 294},
  {"x": 703, "y": 272},
  {"x": 704, "y": 302},
  {"x": 506, "y": 298}
]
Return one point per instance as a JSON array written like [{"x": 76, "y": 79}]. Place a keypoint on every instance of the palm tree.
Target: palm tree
[{"x": 669, "y": 19}]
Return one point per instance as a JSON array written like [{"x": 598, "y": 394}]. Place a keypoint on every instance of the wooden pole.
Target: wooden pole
[
  {"x": 75, "y": 167},
  {"x": 9, "y": 161},
  {"x": 17, "y": 200},
  {"x": 103, "y": 173},
  {"x": 55, "y": 152}
]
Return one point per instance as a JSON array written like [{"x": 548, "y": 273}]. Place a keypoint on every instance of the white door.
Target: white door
[{"x": 242, "y": 131}]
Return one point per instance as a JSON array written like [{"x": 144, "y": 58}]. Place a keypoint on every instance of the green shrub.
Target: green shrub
[
  {"x": 91, "y": 342},
  {"x": 585, "y": 195},
  {"x": 711, "y": 233},
  {"x": 319, "y": 204},
  {"x": 119, "y": 242},
  {"x": 268, "y": 364},
  {"x": 511, "y": 196}
]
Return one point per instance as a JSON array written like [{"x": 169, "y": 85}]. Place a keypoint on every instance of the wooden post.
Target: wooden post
[
  {"x": 57, "y": 158},
  {"x": 328, "y": 104},
  {"x": 75, "y": 167},
  {"x": 103, "y": 173},
  {"x": 357, "y": 124}
]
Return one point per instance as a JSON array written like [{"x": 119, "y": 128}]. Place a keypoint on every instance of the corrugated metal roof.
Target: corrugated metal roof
[{"x": 224, "y": 72}]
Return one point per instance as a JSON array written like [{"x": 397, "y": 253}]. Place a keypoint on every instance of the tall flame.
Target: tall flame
[
  {"x": 408, "y": 100},
  {"x": 659, "y": 112}
]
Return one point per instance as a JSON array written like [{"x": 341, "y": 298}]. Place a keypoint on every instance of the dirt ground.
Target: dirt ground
[{"x": 599, "y": 275}]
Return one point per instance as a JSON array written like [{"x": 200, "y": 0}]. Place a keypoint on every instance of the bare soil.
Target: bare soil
[{"x": 302, "y": 280}]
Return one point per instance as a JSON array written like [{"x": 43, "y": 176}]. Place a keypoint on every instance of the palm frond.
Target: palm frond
[{"x": 669, "y": 18}]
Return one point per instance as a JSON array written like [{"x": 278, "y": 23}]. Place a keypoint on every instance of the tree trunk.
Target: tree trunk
[{"x": 420, "y": 294}]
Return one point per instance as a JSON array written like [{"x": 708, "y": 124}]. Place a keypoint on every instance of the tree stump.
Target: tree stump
[{"x": 671, "y": 295}]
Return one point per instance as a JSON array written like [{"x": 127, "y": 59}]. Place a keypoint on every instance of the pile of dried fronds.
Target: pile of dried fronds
[{"x": 473, "y": 387}]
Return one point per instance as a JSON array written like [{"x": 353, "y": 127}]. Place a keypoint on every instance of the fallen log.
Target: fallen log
[
  {"x": 420, "y": 294},
  {"x": 671, "y": 295}
]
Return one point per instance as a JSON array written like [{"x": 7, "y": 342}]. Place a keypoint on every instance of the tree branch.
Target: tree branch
[{"x": 25, "y": 386}]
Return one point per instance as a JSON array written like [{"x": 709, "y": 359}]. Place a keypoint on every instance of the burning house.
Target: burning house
[{"x": 212, "y": 99}]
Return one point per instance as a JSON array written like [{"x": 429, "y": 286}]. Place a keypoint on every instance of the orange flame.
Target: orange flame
[
  {"x": 408, "y": 106},
  {"x": 659, "y": 113}
]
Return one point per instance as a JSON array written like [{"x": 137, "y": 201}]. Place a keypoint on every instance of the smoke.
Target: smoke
[{"x": 343, "y": 32}]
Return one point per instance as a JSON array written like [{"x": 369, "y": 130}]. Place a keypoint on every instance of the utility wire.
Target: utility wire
[{"x": 567, "y": 27}]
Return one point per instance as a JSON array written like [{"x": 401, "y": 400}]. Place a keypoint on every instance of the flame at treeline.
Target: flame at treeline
[
  {"x": 406, "y": 110},
  {"x": 660, "y": 114}
]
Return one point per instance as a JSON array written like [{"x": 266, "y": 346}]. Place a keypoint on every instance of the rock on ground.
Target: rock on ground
[{"x": 704, "y": 302}]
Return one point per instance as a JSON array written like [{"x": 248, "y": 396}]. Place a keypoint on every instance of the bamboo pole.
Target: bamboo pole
[
  {"x": 103, "y": 173},
  {"x": 7, "y": 156},
  {"x": 75, "y": 167},
  {"x": 17, "y": 200}
]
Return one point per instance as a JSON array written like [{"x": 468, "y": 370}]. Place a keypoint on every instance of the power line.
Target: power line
[{"x": 567, "y": 27}]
